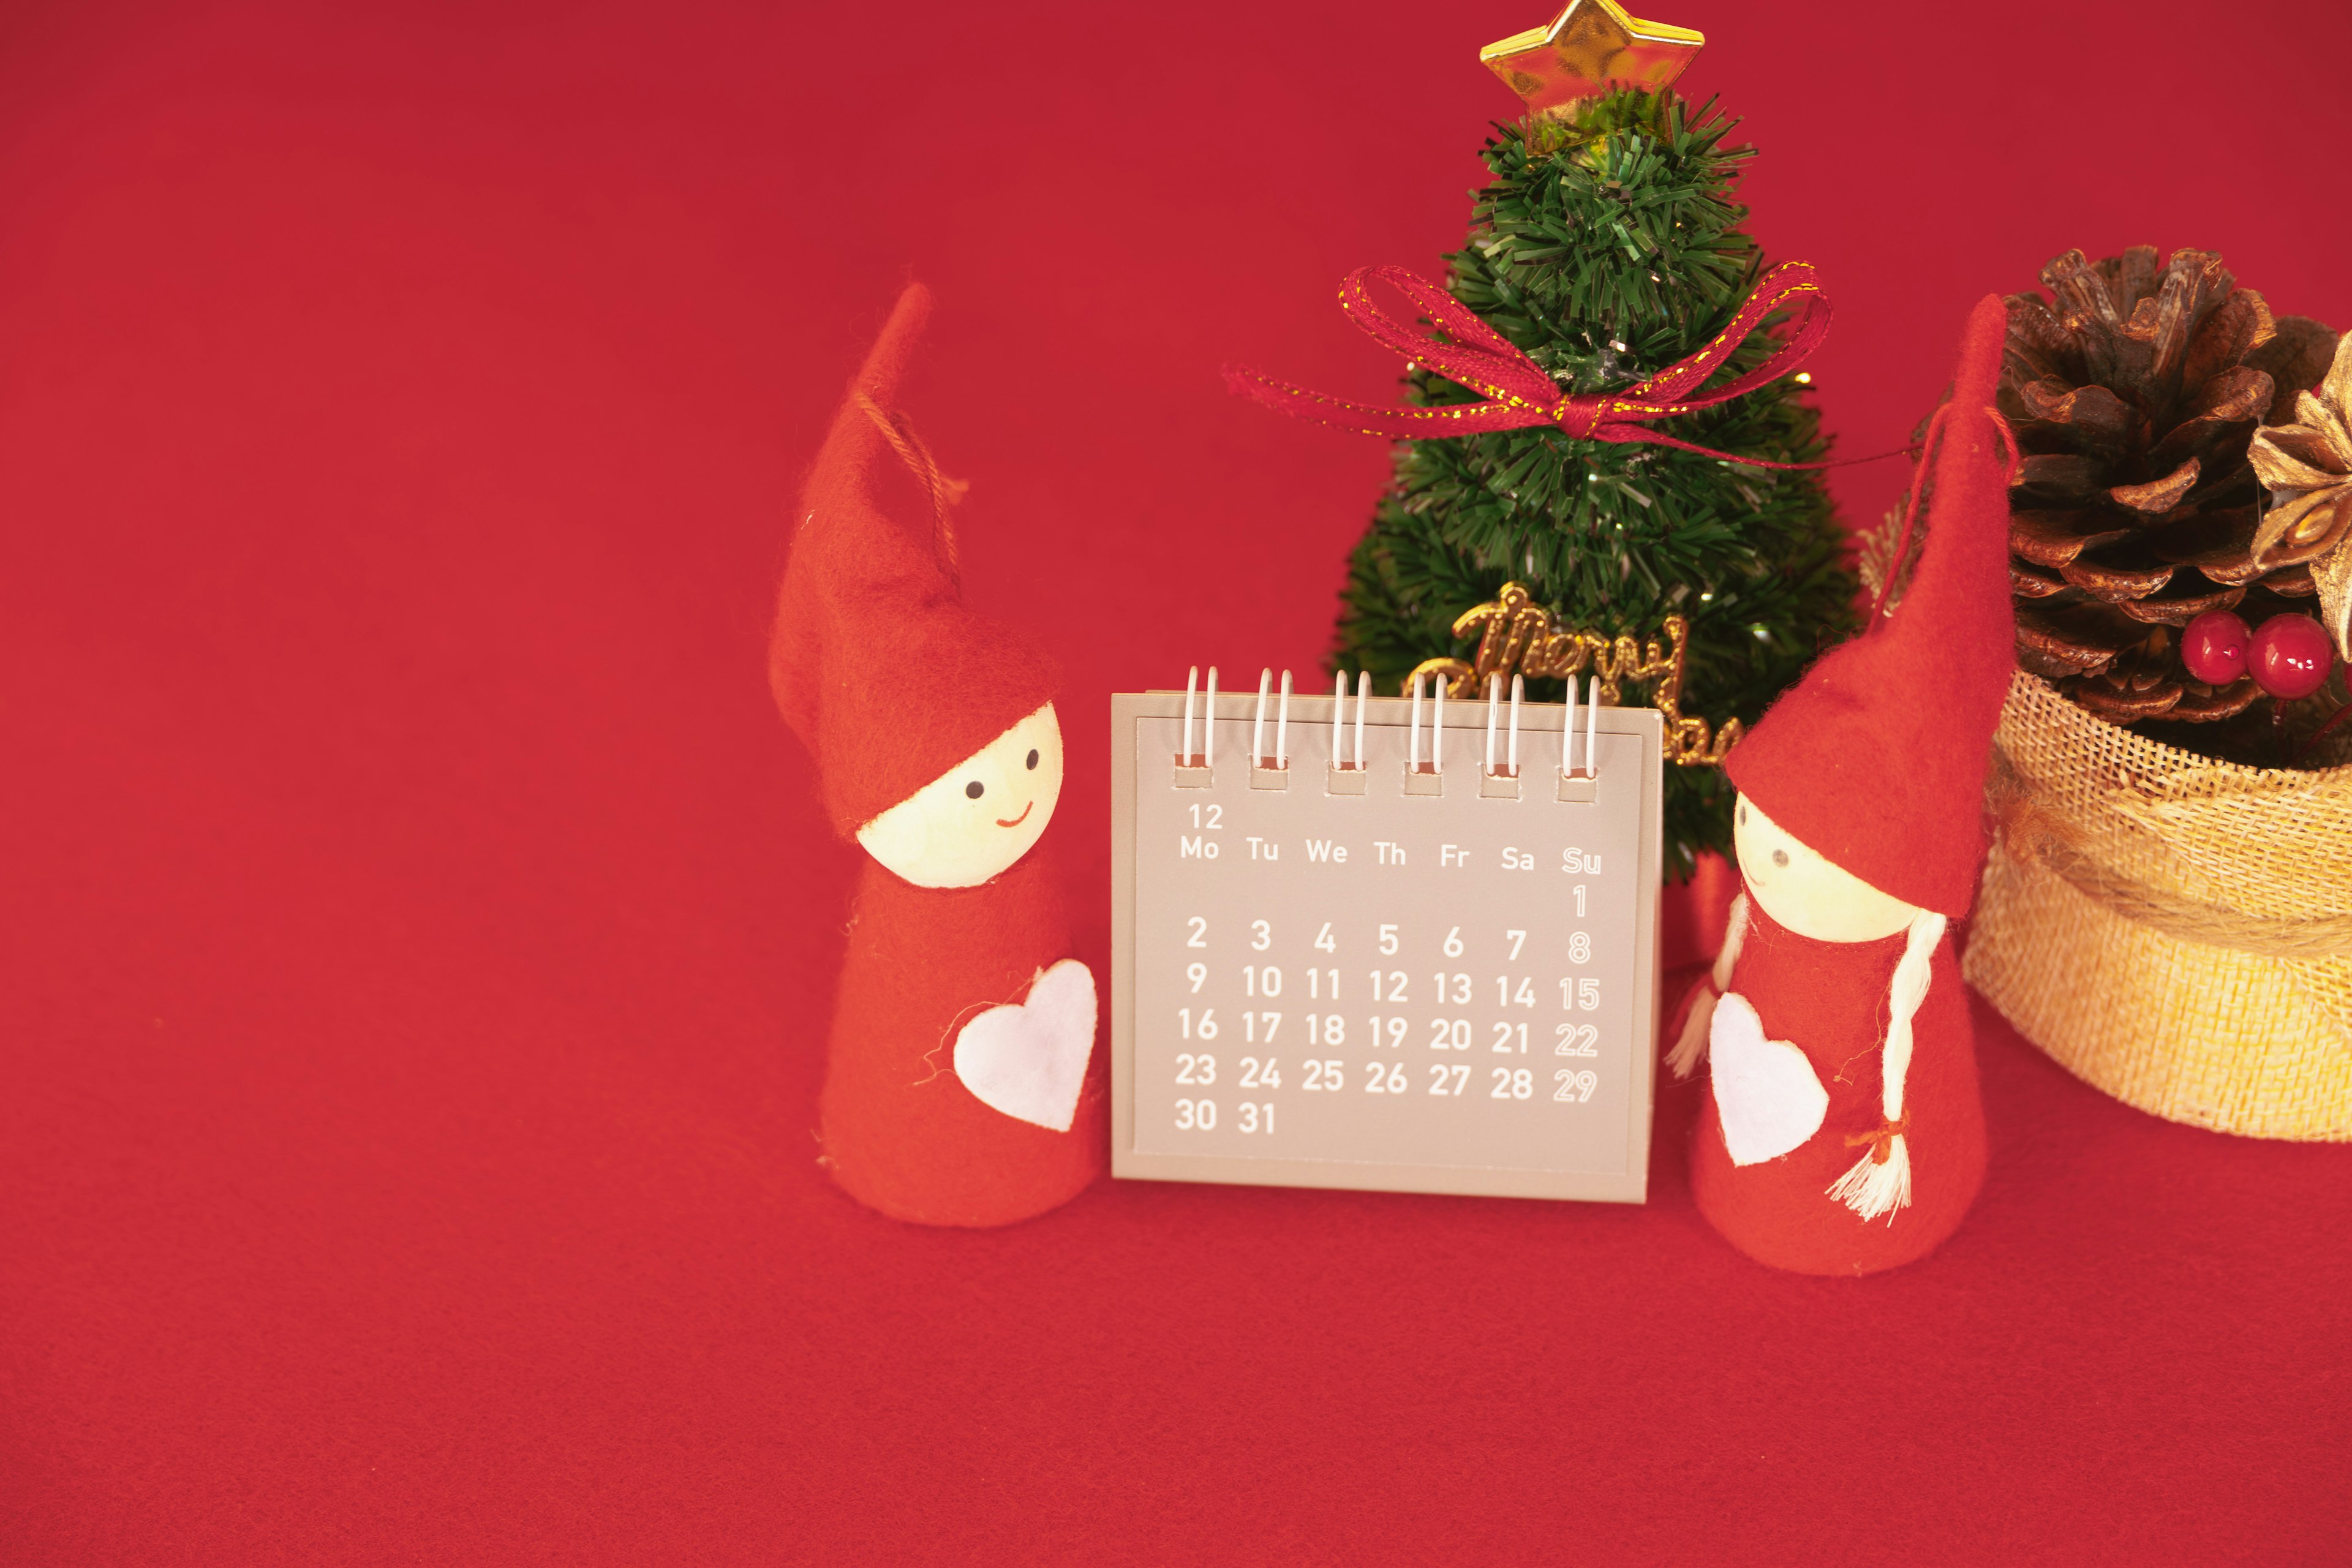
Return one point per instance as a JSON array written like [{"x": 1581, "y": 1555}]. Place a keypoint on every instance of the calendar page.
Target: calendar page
[{"x": 1414, "y": 973}]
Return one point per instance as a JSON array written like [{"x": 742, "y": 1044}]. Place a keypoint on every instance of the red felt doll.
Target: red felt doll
[
  {"x": 958, "y": 1084},
  {"x": 1842, "y": 1132}
]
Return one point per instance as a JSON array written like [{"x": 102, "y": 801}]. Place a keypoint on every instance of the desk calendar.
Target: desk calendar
[{"x": 1384, "y": 943}]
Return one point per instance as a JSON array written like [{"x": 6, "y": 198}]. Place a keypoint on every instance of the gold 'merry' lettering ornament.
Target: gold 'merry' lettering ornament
[
  {"x": 1515, "y": 635},
  {"x": 1589, "y": 48}
]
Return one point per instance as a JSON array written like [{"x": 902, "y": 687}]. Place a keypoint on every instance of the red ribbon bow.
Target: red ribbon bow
[{"x": 1522, "y": 395}]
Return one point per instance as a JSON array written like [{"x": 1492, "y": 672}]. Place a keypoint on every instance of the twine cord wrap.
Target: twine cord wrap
[{"x": 2040, "y": 836}]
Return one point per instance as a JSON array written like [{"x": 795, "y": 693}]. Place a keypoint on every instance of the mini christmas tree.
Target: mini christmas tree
[{"x": 1607, "y": 247}]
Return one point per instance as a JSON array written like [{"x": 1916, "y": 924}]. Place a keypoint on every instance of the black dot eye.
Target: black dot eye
[
  {"x": 1743, "y": 814},
  {"x": 972, "y": 790},
  {"x": 1779, "y": 856},
  {"x": 1032, "y": 758}
]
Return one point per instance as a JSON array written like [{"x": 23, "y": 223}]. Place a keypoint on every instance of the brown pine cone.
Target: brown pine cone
[{"x": 2134, "y": 394}]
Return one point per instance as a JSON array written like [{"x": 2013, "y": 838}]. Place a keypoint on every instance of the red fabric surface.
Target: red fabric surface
[
  {"x": 1876, "y": 758},
  {"x": 876, "y": 663},
  {"x": 899, "y": 1127},
  {"x": 1829, "y": 1000},
  {"x": 420, "y": 928}
]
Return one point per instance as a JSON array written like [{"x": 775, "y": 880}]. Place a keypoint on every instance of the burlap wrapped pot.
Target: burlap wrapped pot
[{"x": 2175, "y": 930}]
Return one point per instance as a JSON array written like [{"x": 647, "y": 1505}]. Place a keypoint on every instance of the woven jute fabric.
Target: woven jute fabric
[{"x": 2173, "y": 930}]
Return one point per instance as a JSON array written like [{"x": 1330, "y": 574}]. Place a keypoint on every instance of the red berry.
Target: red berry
[
  {"x": 2213, "y": 648},
  {"x": 2291, "y": 656}
]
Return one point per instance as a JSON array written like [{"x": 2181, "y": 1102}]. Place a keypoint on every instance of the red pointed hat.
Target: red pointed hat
[
  {"x": 878, "y": 666},
  {"x": 1878, "y": 757}
]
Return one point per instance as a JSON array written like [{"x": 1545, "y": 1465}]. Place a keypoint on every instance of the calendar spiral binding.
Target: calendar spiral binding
[{"x": 1271, "y": 770}]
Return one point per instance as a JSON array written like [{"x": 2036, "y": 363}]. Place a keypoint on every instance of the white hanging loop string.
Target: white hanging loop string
[
  {"x": 1437, "y": 729},
  {"x": 1519, "y": 685},
  {"x": 1282, "y": 727},
  {"x": 1363, "y": 694},
  {"x": 1494, "y": 712},
  {"x": 1208, "y": 724},
  {"x": 1412, "y": 765},
  {"x": 1190, "y": 681},
  {"x": 1257, "y": 728}
]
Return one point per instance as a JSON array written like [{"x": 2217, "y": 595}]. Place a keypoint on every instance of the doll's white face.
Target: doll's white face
[
  {"x": 1805, "y": 892},
  {"x": 977, "y": 818}
]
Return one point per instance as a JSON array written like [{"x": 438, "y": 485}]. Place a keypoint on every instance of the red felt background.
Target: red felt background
[{"x": 418, "y": 927}]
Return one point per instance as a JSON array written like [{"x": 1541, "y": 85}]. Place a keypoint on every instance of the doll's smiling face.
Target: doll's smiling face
[
  {"x": 1803, "y": 892},
  {"x": 974, "y": 821}
]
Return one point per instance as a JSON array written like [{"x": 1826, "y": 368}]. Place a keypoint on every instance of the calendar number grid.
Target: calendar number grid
[{"x": 1451, "y": 993}]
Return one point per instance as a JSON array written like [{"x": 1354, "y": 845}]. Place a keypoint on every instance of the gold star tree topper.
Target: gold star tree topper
[{"x": 1592, "y": 46}]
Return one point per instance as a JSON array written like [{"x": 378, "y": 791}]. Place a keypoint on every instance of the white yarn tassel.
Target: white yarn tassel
[
  {"x": 1691, "y": 1049},
  {"x": 1697, "y": 1025},
  {"x": 1876, "y": 1186}
]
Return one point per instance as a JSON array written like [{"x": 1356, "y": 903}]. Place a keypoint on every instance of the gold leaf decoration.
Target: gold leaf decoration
[{"x": 2309, "y": 467}]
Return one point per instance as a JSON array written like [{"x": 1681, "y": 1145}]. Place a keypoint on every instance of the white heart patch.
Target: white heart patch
[
  {"x": 1028, "y": 1059},
  {"x": 1765, "y": 1092}
]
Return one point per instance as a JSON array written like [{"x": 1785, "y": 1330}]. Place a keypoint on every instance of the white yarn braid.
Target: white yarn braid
[
  {"x": 1691, "y": 1049},
  {"x": 1875, "y": 1186}
]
